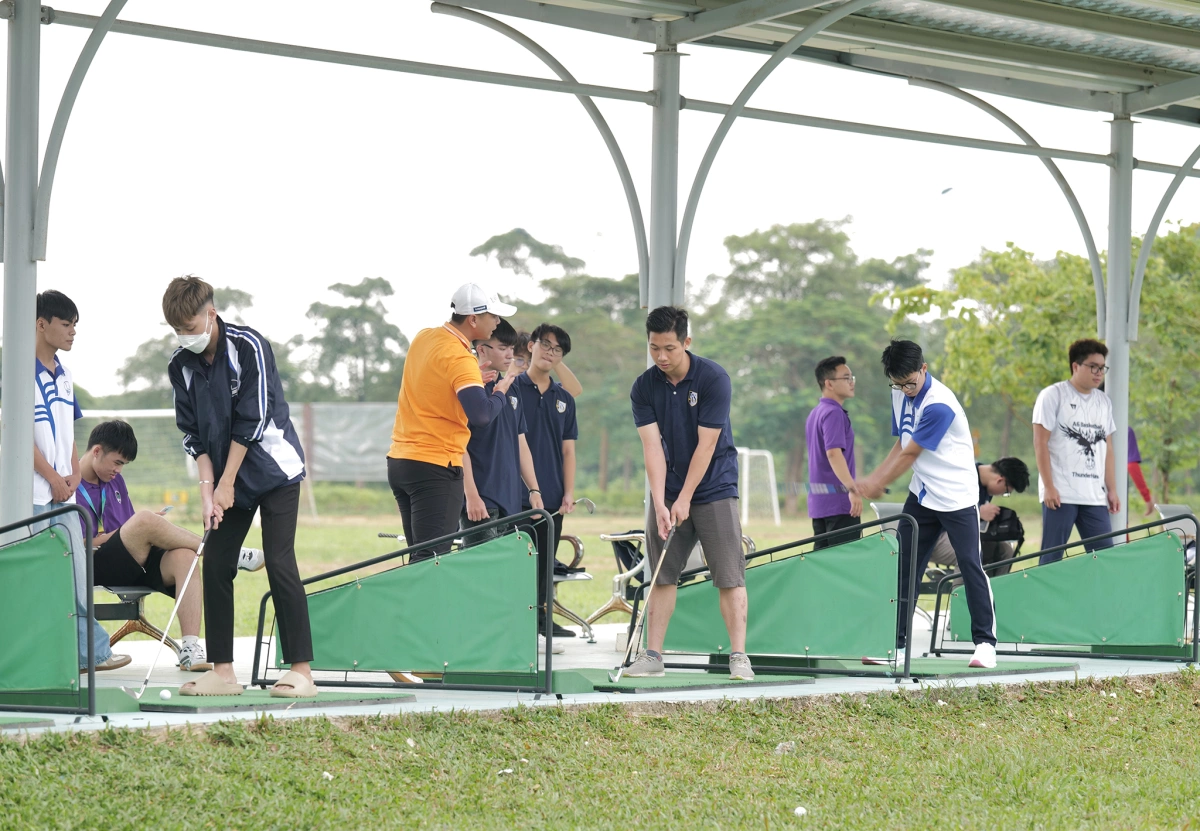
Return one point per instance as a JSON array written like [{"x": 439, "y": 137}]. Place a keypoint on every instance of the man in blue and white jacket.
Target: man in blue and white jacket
[{"x": 934, "y": 440}]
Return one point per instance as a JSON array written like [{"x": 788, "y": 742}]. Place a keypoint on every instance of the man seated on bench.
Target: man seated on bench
[
  {"x": 141, "y": 548},
  {"x": 1000, "y": 478}
]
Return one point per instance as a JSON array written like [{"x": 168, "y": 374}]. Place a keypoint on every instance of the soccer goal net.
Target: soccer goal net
[{"x": 756, "y": 485}]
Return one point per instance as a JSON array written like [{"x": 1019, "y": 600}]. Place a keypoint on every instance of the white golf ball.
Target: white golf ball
[{"x": 165, "y": 695}]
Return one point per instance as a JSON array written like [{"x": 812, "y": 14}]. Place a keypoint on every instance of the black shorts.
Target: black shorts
[{"x": 115, "y": 566}]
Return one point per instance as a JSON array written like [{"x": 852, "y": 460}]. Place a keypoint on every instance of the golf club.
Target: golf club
[
  {"x": 178, "y": 599},
  {"x": 635, "y": 636},
  {"x": 384, "y": 535},
  {"x": 588, "y": 504},
  {"x": 821, "y": 487}
]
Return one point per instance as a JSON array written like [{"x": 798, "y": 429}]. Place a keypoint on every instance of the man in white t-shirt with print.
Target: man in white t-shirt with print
[
  {"x": 1072, "y": 437},
  {"x": 934, "y": 440}
]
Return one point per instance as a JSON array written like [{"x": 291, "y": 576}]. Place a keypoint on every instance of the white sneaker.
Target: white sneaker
[
  {"x": 557, "y": 649},
  {"x": 193, "y": 659},
  {"x": 251, "y": 559},
  {"x": 984, "y": 657}
]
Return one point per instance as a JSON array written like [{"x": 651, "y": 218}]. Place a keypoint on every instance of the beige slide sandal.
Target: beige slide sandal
[
  {"x": 211, "y": 684},
  {"x": 299, "y": 686}
]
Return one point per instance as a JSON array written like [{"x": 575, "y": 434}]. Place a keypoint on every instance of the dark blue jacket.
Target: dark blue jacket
[{"x": 238, "y": 398}]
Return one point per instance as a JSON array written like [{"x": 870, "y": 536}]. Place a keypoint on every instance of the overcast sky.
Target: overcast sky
[{"x": 281, "y": 177}]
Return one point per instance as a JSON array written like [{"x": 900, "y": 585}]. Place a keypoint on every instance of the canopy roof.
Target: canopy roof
[{"x": 1134, "y": 56}]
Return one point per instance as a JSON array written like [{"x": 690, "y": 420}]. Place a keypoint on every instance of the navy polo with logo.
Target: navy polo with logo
[
  {"x": 495, "y": 452},
  {"x": 550, "y": 420},
  {"x": 701, "y": 399}
]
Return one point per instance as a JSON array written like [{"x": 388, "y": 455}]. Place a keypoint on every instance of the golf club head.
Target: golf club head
[
  {"x": 137, "y": 696},
  {"x": 614, "y": 677},
  {"x": 587, "y": 503}
]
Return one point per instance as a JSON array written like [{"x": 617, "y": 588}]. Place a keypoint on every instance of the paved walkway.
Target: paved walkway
[{"x": 578, "y": 653}]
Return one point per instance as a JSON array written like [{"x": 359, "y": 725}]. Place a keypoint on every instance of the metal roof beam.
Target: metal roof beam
[
  {"x": 1082, "y": 20},
  {"x": 745, "y": 13},
  {"x": 308, "y": 53},
  {"x": 1163, "y": 95},
  {"x": 632, "y": 27}
]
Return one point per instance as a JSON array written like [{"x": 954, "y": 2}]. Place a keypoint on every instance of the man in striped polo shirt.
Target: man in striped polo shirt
[{"x": 934, "y": 440}]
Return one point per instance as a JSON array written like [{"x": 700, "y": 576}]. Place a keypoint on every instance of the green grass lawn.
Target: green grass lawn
[
  {"x": 1118, "y": 754},
  {"x": 330, "y": 543}
]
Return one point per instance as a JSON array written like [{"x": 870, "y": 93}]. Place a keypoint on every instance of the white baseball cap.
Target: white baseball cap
[{"x": 471, "y": 299}]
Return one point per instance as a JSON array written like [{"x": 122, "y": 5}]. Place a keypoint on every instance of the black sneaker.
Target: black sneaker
[{"x": 563, "y": 632}]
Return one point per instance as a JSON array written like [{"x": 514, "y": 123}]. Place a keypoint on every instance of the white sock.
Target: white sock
[{"x": 191, "y": 640}]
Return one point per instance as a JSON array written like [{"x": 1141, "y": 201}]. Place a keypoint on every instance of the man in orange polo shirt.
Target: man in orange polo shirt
[{"x": 441, "y": 397}]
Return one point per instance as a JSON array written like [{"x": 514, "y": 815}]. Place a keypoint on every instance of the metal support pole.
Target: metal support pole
[
  {"x": 20, "y": 269},
  {"x": 664, "y": 181},
  {"x": 1089, "y": 241},
  {"x": 1120, "y": 247},
  {"x": 606, "y": 133},
  {"x": 1139, "y": 273}
]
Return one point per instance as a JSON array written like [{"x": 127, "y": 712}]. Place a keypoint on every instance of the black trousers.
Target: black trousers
[
  {"x": 962, "y": 527},
  {"x": 279, "y": 509},
  {"x": 825, "y": 524},
  {"x": 430, "y": 498}
]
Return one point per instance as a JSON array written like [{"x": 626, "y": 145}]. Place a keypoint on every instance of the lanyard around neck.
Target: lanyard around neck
[{"x": 103, "y": 502}]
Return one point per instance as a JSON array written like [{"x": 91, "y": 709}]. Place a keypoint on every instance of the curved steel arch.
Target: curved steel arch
[
  {"x": 1084, "y": 228},
  {"x": 739, "y": 104},
  {"x": 1135, "y": 291},
  {"x": 41, "y": 211},
  {"x": 610, "y": 140}
]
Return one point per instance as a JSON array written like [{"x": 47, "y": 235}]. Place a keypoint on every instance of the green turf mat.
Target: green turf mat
[
  {"x": 23, "y": 722},
  {"x": 958, "y": 667},
  {"x": 108, "y": 699},
  {"x": 261, "y": 700},
  {"x": 682, "y": 680}
]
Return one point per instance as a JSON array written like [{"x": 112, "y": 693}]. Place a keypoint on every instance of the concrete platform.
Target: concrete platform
[{"x": 578, "y": 654}]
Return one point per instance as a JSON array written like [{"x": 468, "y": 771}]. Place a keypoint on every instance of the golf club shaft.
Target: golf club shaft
[
  {"x": 821, "y": 487},
  {"x": 178, "y": 599},
  {"x": 635, "y": 636}
]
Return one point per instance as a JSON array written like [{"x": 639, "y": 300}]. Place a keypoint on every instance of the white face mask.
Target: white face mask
[{"x": 196, "y": 343}]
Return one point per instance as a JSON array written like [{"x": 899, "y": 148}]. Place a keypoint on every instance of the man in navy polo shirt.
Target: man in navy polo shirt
[
  {"x": 681, "y": 410},
  {"x": 497, "y": 467},
  {"x": 934, "y": 440},
  {"x": 549, "y": 412}
]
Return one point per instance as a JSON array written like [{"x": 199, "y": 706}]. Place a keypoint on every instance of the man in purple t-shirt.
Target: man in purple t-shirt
[
  {"x": 141, "y": 548},
  {"x": 830, "y": 440}
]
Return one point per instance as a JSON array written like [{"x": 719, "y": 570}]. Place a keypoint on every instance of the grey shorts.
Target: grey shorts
[{"x": 717, "y": 526}]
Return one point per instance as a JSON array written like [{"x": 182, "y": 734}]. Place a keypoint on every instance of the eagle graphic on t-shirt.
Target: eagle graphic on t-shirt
[{"x": 1087, "y": 441}]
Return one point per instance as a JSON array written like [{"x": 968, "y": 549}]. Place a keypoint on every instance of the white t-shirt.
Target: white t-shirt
[
  {"x": 1079, "y": 426},
  {"x": 54, "y": 412},
  {"x": 944, "y": 475}
]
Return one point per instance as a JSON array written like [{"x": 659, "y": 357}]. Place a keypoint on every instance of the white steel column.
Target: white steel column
[
  {"x": 664, "y": 181},
  {"x": 20, "y": 269},
  {"x": 1120, "y": 234}
]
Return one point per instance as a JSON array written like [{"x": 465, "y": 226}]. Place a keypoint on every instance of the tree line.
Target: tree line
[{"x": 997, "y": 333}]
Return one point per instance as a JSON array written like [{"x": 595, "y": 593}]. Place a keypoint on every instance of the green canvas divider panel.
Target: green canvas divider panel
[
  {"x": 836, "y": 601},
  {"x": 1128, "y": 594},
  {"x": 38, "y": 644},
  {"x": 470, "y": 610}
]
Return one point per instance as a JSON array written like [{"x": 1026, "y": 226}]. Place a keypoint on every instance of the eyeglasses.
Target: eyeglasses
[
  {"x": 1097, "y": 369},
  {"x": 550, "y": 347},
  {"x": 907, "y": 386},
  {"x": 849, "y": 378}
]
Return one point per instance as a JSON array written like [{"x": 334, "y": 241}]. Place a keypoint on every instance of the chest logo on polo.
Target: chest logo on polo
[
  {"x": 693, "y": 398},
  {"x": 512, "y": 399},
  {"x": 561, "y": 406},
  {"x": 117, "y": 494},
  {"x": 68, "y": 390}
]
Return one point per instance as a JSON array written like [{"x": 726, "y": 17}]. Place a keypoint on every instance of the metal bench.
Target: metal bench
[{"x": 132, "y": 610}]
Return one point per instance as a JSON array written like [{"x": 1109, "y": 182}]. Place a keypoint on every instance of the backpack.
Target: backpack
[{"x": 1006, "y": 527}]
